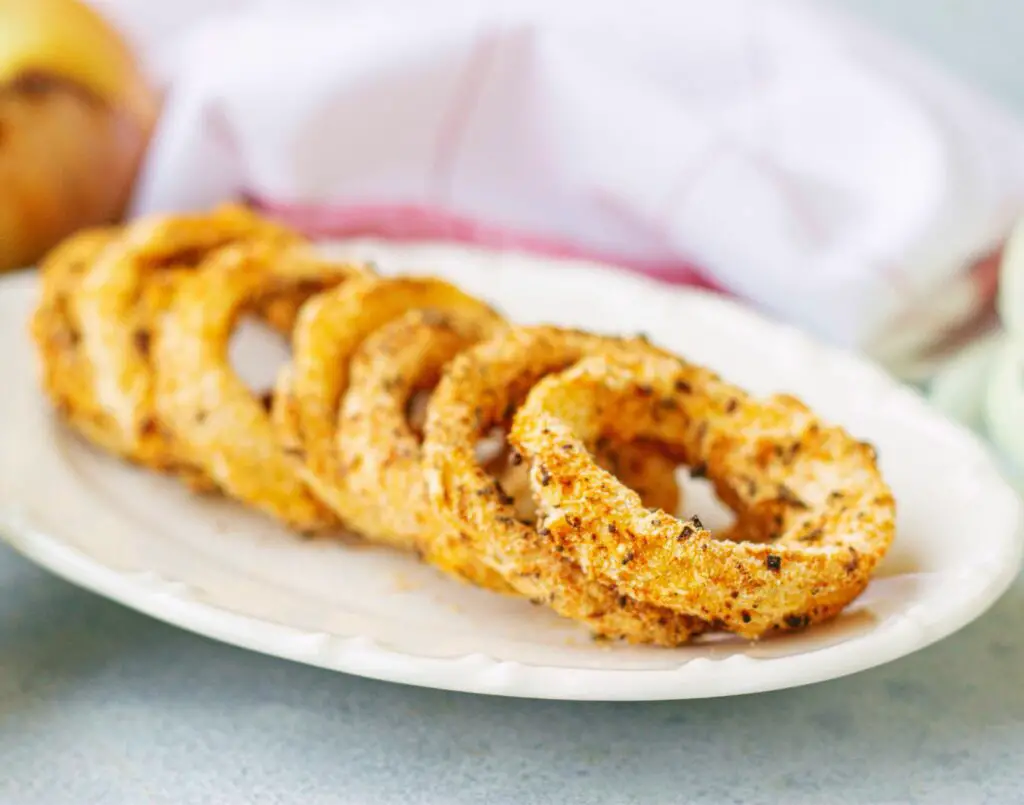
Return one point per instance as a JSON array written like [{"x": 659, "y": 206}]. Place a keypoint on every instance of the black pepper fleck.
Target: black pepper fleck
[
  {"x": 790, "y": 498},
  {"x": 142, "y": 342},
  {"x": 773, "y": 562},
  {"x": 503, "y": 496}
]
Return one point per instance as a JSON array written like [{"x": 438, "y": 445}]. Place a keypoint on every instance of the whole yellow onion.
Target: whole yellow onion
[{"x": 75, "y": 117}]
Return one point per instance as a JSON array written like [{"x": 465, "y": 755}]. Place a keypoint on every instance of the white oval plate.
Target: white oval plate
[{"x": 211, "y": 567}]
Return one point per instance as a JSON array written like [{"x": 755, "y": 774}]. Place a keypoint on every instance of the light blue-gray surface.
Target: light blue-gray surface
[{"x": 100, "y": 705}]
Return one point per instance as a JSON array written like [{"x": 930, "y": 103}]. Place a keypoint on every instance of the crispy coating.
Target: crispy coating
[
  {"x": 133, "y": 329},
  {"x": 380, "y": 451},
  {"x": 813, "y": 489},
  {"x": 382, "y": 475},
  {"x": 382, "y": 492},
  {"x": 481, "y": 388},
  {"x": 121, "y": 295},
  {"x": 216, "y": 421},
  {"x": 66, "y": 376},
  {"x": 644, "y": 468},
  {"x": 329, "y": 330}
]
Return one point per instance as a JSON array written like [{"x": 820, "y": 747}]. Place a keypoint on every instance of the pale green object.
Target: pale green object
[
  {"x": 1004, "y": 403},
  {"x": 958, "y": 389},
  {"x": 1004, "y": 392},
  {"x": 983, "y": 386},
  {"x": 1010, "y": 302}
]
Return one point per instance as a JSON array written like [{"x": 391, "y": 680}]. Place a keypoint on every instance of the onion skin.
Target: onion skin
[{"x": 75, "y": 118}]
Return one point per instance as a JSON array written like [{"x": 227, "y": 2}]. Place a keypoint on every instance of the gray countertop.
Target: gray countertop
[{"x": 101, "y": 705}]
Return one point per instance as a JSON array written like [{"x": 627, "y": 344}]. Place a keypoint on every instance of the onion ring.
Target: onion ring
[
  {"x": 215, "y": 421},
  {"x": 330, "y": 328},
  {"x": 382, "y": 492},
  {"x": 814, "y": 488},
  {"x": 643, "y": 468},
  {"x": 121, "y": 295},
  {"x": 386, "y": 499},
  {"x": 480, "y": 389},
  {"x": 66, "y": 375}
]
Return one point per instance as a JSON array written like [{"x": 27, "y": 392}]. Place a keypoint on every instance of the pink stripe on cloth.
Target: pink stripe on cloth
[{"x": 411, "y": 222}]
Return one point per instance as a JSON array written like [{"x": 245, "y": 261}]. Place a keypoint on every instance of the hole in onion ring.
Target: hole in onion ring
[
  {"x": 217, "y": 420},
  {"x": 701, "y": 500},
  {"x": 257, "y": 353}
]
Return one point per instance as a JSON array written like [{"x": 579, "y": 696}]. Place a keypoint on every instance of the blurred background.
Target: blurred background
[{"x": 855, "y": 168}]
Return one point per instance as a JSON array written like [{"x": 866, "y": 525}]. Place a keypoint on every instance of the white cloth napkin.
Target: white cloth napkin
[{"x": 773, "y": 150}]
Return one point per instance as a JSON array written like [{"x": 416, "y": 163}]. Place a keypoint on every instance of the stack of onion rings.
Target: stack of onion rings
[
  {"x": 330, "y": 329},
  {"x": 115, "y": 305},
  {"x": 482, "y": 388},
  {"x": 385, "y": 497},
  {"x": 218, "y": 424},
  {"x": 576, "y": 512}
]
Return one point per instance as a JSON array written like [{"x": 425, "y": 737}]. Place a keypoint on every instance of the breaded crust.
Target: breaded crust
[
  {"x": 826, "y": 515},
  {"x": 120, "y": 297},
  {"x": 215, "y": 421},
  {"x": 482, "y": 388}
]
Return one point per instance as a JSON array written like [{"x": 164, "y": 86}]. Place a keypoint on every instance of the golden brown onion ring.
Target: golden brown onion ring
[
  {"x": 481, "y": 389},
  {"x": 817, "y": 490},
  {"x": 66, "y": 375},
  {"x": 121, "y": 295},
  {"x": 216, "y": 422},
  {"x": 383, "y": 493},
  {"x": 330, "y": 328}
]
